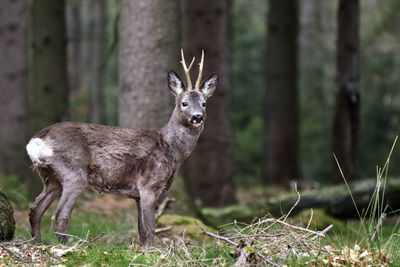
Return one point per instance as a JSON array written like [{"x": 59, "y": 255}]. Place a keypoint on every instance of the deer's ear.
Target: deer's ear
[
  {"x": 209, "y": 85},
  {"x": 175, "y": 83}
]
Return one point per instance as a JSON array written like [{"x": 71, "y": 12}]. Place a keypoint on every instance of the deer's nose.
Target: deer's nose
[{"x": 198, "y": 118}]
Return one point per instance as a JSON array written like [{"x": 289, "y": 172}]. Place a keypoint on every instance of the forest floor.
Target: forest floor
[{"x": 103, "y": 233}]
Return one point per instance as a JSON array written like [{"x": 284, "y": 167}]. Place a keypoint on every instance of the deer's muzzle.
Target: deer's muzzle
[{"x": 196, "y": 119}]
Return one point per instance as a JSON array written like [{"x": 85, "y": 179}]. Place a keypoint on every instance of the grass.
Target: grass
[
  {"x": 117, "y": 247},
  {"x": 373, "y": 239},
  {"x": 373, "y": 233}
]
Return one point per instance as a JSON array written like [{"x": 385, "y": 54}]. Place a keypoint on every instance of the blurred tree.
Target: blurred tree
[
  {"x": 379, "y": 65},
  {"x": 94, "y": 22},
  {"x": 48, "y": 86},
  {"x": 97, "y": 25},
  {"x": 210, "y": 168},
  {"x": 281, "y": 118},
  {"x": 346, "y": 121},
  {"x": 316, "y": 79},
  {"x": 148, "y": 48},
  {"x": 89, "y": 62},
  {"x": 74, "y": 28},
  {"x": 48, "y": 68},
  {"x": 13, "y": 84}
]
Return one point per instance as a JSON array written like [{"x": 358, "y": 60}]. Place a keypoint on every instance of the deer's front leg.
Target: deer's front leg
[
  {"x": 140, "y": 220},
  {"x": 146, "y": 213}
]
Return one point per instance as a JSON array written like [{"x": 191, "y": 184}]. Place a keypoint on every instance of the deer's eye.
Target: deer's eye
[
  {"x": 184, "y": 104},
  {"x": 203, "y": 105}
]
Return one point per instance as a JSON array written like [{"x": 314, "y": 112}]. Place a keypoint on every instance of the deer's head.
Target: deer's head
[{"x": 190, "y": 103}]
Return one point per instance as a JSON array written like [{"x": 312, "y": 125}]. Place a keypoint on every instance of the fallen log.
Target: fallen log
[{"x": 335, "y": 200}]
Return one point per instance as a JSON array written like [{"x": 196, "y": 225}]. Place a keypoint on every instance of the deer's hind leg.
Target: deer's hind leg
[
  {"x": 74, "y": 183},
  {"x": 51, "y": 190}
]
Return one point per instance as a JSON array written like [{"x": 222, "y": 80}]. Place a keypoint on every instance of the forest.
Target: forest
[{"x": 297, "y": 164}]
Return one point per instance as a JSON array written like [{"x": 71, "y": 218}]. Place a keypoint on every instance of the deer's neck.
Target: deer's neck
[{"x": 182, "y": 139}]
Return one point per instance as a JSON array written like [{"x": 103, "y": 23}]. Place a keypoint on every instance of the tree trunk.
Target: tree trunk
[
  {"x": 48, "y": 72},
  {"x": 94, "y": 26},
  {"x": 13, "y": 84},
  {"x": 346, "y": 121},
  {"x": 281, "y": 118},
  {"x": 148, "y": 48},
  {"x": 210, "y": 167},
  {"x": 48, "y": 92},
  {"x": 74, "y": 28}
]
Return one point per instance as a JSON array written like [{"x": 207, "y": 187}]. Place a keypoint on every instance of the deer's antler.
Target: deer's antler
[
  {"x": 197, "y": 85},
  {"x": 187, "y": 70}
]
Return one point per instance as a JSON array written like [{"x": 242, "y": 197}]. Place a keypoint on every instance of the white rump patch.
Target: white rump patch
[{"x": 38, "y": 150}]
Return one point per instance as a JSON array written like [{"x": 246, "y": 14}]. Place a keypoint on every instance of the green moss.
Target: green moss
[
  {"x": 189, "y": 226},
  {"x": 240, "y": 213},
  {"x": 248, "y": 249},
  {"x": 320, "y": 220},
  {"x": 7, "y": 223}
]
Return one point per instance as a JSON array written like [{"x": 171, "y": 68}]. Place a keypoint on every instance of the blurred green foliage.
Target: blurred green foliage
[
  {"x": 15, "y": 190},
  {"x": 248, "y": 49},
  {"x": 379, "y": 82},
  {"x": 380, "y": 65}
]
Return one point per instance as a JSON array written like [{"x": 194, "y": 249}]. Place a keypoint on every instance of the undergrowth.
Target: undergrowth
[{"x": 98, "y": 240}]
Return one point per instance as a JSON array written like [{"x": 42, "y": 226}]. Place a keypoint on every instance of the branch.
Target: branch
[
  {"x": 96, "y": 237},
  {"x": 163, "y": 205},
  {"x": 295, "y": 204},
  {"x": 265, "y": 259},
  {"x": 164, "y": 229},
  {"x": 323, "y": 232},
  {"x": 221, "y": 238},
  {"x": 318, "y": 233},
  {"x": 258, "y": 235}
]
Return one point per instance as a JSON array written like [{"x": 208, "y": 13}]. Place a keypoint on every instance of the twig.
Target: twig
[
  {"x": 257, "y": 235},
  {"x": 82, "y": 241},
  {"x": 295, "y": 204},
  {"x": 323, "y": 232},
  {"x": 311, "y": 217},
  {"x": 221, "y": 238},
  {"x": 236, "y": 244},
  {"x": 19, "y": 243},
  {"x": 74, "y": 236},
  {"x": 96, "y": 237},
  {"x": 19, "y": 258},
  {"x": 163, "y": 205},
  {"x": 134, "y": 258},
  {"x": 164, "y": 229}
]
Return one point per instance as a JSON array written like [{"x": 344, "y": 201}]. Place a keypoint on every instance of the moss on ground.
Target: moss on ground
[
  {"x": 183, "y": 225},
  {"x": 320, "y": 220}
]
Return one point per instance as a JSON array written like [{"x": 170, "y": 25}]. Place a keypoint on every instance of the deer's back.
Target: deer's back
[{"x": 117, "y": 160}]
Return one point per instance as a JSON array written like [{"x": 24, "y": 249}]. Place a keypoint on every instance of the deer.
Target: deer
[{"x": 134, "y": 163}]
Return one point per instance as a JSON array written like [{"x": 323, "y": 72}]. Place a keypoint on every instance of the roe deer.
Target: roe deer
[{"x": 134, "y": 163}]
